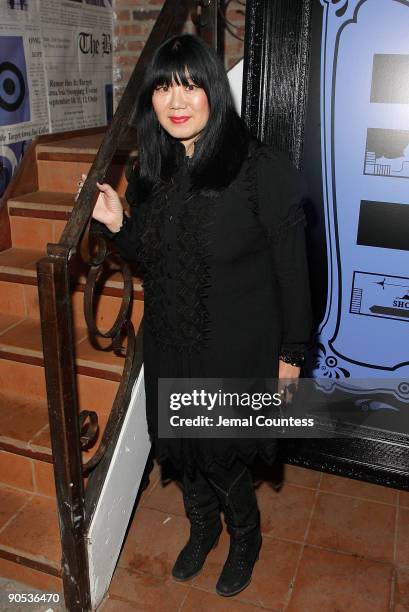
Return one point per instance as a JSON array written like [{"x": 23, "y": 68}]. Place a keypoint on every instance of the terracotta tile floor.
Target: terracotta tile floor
[{"x": 330, "y": 544}]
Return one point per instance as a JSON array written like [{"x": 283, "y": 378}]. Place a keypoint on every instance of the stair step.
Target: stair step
[
  {"x": 8, "y": 321},
  {"x": 61, "y": 172},
  {"x": 56, "y": 205},
  {"x": 32, "y": 233},
  {"x": 21, "y": 342},
  {"x": 29, "y": 524},
  {"x": 42, "y": 204},
  {"x": 60, "y": 163},
  {"x": 24, "y": 426},
  {"x": 19, "y": 294},
  {"x": 37, "y": 219},
  {"x": 19, "y": 265},
  {"x": 86, "y": 144},
  {"x": 25, "y": 444},
  {"x": 19, "y": 378},
  {"x": 26, "y": 460},
  {"x": 36, "y": 579}
]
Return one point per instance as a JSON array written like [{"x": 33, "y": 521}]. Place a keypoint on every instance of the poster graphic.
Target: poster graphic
[
  {"x": 14, "y": 95},
  {"x": 374, "y": 295},
  {"x": 365, "y": 143},
  {"x": 21, "y": 5},
  {"x": 9, "y": 160},
  {"x": 387, "y": 152},
  {"x": 55, "y": 71},
  {"x": 383, "y": 225}
]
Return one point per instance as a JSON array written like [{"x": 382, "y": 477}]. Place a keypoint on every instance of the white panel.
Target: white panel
[
  {"x": 118, "y": 495},
  {"x": 235, "y": 76}
]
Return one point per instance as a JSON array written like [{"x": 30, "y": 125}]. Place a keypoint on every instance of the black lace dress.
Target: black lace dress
[{"x": 226, "y": 287}]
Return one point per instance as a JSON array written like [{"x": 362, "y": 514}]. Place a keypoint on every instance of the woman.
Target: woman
[{"x": 217, "y": 230}]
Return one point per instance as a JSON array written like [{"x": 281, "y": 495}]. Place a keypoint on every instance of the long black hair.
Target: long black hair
[{"x": 222, "y": 145}]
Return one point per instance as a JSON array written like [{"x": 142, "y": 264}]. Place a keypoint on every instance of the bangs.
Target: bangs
[
  {"x": 169, "y": 76},
  {"x": 178, "y": 63}
]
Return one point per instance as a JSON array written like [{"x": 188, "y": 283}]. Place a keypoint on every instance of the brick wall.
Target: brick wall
[{"x": 133, "y": 21}]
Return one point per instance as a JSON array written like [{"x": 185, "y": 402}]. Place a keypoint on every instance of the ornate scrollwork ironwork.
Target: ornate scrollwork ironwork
[
  {"x": 89, "y": 428},
  {"x": 96, "y": 253},
  {"x": 119, "y": 406},
  {"x": 89, "y": 300}
]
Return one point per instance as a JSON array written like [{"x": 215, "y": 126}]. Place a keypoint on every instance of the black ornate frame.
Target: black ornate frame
[{"x": 277, "y": 51}]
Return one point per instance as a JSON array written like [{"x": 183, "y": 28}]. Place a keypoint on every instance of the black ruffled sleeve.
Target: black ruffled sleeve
[{"x": 282, "y": 193}]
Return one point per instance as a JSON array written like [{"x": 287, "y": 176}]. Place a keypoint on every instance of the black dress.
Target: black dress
[{"x": 226, "y": 287}]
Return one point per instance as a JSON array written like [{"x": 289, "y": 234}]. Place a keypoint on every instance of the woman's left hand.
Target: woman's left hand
[{"x": 287, "y": 372}]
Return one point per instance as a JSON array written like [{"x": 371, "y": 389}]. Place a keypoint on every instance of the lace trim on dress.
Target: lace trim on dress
[
  {"x": 189, "y": 329},
  {"x": 194, "y": 275},
  {"x": 189, "y": 460},
  {"x": 152, "y": 257},
  {"x": 293, "y": 356}
]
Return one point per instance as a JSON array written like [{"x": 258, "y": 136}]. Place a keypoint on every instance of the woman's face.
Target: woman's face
[{"x": 182, "y": 110}]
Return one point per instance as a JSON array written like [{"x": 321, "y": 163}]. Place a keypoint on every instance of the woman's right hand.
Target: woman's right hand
[{"x": 108, "y": 208}]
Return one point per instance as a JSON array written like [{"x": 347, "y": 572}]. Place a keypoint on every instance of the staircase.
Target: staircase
[{"x": 30, "y": 550}]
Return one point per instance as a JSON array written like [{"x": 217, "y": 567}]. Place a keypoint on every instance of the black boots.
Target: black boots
[
  {"x": 232, "y": 489},
  {"x": 203, "y": 510},
  {"x": 242, "y": 516}
]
